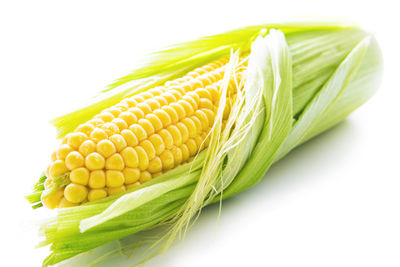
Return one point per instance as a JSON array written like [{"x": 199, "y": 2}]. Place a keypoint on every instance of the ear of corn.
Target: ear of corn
[
  {"x": 290, "y": 87},
  {"x": 137, "y": 139}
]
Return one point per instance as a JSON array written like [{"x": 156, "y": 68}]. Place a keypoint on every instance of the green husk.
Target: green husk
[{"x": 310, "y": 78}]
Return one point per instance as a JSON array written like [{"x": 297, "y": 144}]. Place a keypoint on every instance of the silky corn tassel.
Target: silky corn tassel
[{"x": 138, "y": 139}]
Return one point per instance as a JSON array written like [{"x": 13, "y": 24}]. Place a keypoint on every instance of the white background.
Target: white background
[{"x": 334, "y": 201}]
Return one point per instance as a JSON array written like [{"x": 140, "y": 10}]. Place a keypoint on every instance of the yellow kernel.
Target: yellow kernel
[
  {"x": 167, "y": 159},
  {"x": 131, "y": 175},
  {"x": 203, "y": 93},
  {"x": 206, "y": 103},
  {"x": 64, "y": 203},
  {"x": 105, "y": 116},
  {"x": 114, "y": 178},
  {"x": 76, "y": 139},
  {"x": 178, "y": 156},
  {"x": 129, "y": 137},
  {"x": 161, "y": 100},
  {"x": 48, "y": 182},
  {"x": 186, "y": 86},
  {"x": 85, "y": 128},
  {"x": 130, "y": 186},
  {"x": 74, "y": 160},
  {"x": 176, "y": 93},
  {"x": 121, "y": 124},
  {"x": 210, "y": 115},
  {"x": 209, "y": 67},
  {"x": 155, "y": 165},
  {"x": 48, "y": 171},
  {"x": 146, "y": 95},
  {"x": 130, "y": 102},
  {"x": 156, "y": 174},
  {"x": 138, "y": 131},
  {"x": 158, "y": 143},
  {"x": 185, "y": 152},
  {"x": 106, "y": 148},
  {"x": 116, "y": 190},
  {"x": 97, "y": 179},
  {"x": 51, "y": 201},
  {"x": 115, "y": 162},
  {"x": 167, "y": 138},
  {"x": 137, "y": 112},
  {"x": 202, "y": 118},
  {"x": 87, "y": 147},
  {"x": 176, "y": 134},
  {"x": 98, "y": 135},
  {"x": 180, "y": 111},
  {"x": 156, "y": 91},
  {"x": 144, "y": 177},
  {"x": 198, "y": 124},
  {"x": 184, "y": 131},
  {"x": 122, "y": 106},
  {"x": 188, "y": 108},
  {"x": 114, "y": 111},
  {"x": 199, "y": 142},
  {"x": 144, "y": 107},
  {"x": 180, "y": 80},
  {"x": 149, "y": 148},
  {"x": 213, "y": 92},
  {"x": 171, "y": 83},
  {"x": 208, "y": 79},
  {"x": 96, "y": 122},
  {"x": 153, "y": 104},
  {"x": 204, "y": 80},
  {"x": 143, "y": 158},
  {"x": 138, "y": 98},
  {"x": 227, "y": 111},
  {"x": 163, "y": 117},
  {"x": 190, "y": 100},
  {"x": 110, "y": 128},
  {"x": 94, "y": 161},
  {"x": 96, "y": 194},
  {"x": 75, "y": 193},
  {"x": 170, "y": 98},
  {"x": 194, "y": 96},
  {"x": 191, "y": 126},
  {"x": 155, "y": 121},
  {"x": 63, "y": 151},
  {"x": 147, "y": 126},
  {"x": 171, "y": 113},
  {"x": 79, "y": 176},
  {"x": 206, "y": 138},
  {"x": 118, "y": 141},
  {"x": 53, "y": 156},
  {"x": 200, "y": 71},
  {"x": 193, "y": 74},
  {"x": 195, "y": 83},
  {"x": 57, "y": 169},
  {"x": 130, "y": 156},
  {"x": 128, "y": 117},
  {"x": 177, "y": 88},
  {"x": 192, "y": 146}
]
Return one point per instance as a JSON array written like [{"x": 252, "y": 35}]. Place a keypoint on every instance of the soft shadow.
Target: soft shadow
[
  {"x": 282, "y": 175},
  {"x": 285, "y": 171}
]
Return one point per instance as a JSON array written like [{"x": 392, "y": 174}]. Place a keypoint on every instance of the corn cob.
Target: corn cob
[
  {"x": 304, "y": 79},
  {"x": 137, "y": 139}
]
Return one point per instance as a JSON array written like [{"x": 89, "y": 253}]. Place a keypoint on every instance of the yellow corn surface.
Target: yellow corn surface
[{"x": 137, "y": 139}]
